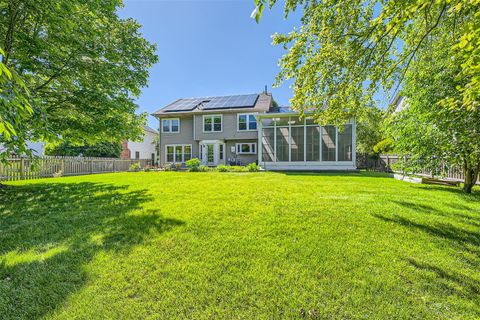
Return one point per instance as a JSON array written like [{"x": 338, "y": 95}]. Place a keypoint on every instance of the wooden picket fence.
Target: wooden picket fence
[{"x": 22, "y": 168}]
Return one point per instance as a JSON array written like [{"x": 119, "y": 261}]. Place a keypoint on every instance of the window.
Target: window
[
  {"x": 169, "y": 153},
  {"x": 187, "y": 153},
  {"x": 221, "y": 152},
  {"x": 345, "y": 143},
  {"x": 247, "y": 122},
  {"x": 212, "y": 123},
  {"x": 328, "y": 143},
  {"x": 171, "y": 125},
  {"x": 246, "y": 148},
  {"x": 178, "y": 153},
  {"x": 137, "y": 155}
]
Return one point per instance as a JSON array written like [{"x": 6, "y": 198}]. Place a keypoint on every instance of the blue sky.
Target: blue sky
[{"x": 209, "y": 48}]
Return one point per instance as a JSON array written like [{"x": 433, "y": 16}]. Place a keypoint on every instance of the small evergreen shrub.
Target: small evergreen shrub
[
  {"x": 193, "y": 164},
  {"x": 253, "y": 167},
  {"x": 203, "y": 168},
  {"x": 223, "y": 168},
  {"x": 135, "y": 166}
]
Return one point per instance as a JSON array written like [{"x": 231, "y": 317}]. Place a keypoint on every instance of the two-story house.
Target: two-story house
[{"x": 242, "y": 129}]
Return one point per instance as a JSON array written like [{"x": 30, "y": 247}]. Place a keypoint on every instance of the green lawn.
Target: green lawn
[{"x": 164, "y": 245}]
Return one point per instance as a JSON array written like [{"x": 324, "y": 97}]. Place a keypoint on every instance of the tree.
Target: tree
[
  {"x": 82, "y": 66},
  {"x": 101, "y": 149},
  {"x": 370, "y": 131},
  {"x": 346, "y": 51},
  {"x": 429, "y": 134},
  {"x": 15, "y": 111}
]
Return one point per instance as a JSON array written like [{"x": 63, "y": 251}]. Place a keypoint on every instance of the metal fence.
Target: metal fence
[
  {"x": 383, "y": 163},
  {"x": 21, "y": 168}
]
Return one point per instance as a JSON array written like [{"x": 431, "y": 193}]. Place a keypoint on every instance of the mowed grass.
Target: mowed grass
[{"x": 238, "y": 246}]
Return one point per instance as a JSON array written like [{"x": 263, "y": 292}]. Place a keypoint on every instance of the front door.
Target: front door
[{"x": 212, "y": 153}]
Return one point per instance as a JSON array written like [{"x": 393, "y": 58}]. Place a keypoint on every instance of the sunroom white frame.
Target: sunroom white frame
[{"x": 302, "y": 165}]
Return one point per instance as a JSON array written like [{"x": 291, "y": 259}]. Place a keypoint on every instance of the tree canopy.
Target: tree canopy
[
  {"x": 101, "y": 149},
  {"x": 82, "y": 67},
  {"x": 345, "y": 51}
]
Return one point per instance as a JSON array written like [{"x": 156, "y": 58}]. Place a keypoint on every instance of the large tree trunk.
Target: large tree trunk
[{"x": 471, "y": 175}]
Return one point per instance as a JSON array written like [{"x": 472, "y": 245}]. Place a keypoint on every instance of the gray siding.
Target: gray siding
[
  {"x": 229, "y": 132},
  {"x": 230, "y": 135},
  {"x": 185, "y": 136},
  {"x": 244, "y": 158}
]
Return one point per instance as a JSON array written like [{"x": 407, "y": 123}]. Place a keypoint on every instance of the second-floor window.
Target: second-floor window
[
  {"x": 247, "y": 122},
  {"x": 212, "y": 123},
  {"x": 171, "y": 125}
]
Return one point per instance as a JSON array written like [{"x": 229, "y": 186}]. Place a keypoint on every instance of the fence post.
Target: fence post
[
  {"x": 22, "y": 168},
  {"x": 91, "y": 166},
  {"x": 113, "y": 165}
]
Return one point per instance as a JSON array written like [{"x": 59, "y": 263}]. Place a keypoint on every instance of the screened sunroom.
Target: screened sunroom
[{"x": 289, "y": 142}]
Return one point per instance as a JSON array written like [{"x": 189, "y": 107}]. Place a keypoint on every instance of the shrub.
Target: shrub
[
  {"x": 193, "y": 164},
  {"x": 223, "y": 168},
  {"x": 135, "y": 166},
  {"x": 383, "y": 146},
  {"x": 238, "y": 169},
  {"x": 203, "y": 168},
  {"x": 253, "y": 167},
  {"x": 178, "y": 166},
  {"x": 168, "y": 167}
]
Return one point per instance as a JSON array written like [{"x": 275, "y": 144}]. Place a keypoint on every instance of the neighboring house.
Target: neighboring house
[
  {"x": 144, "y": 149},
  {"x": 399, "y": 103},
  {"x": 247, "y": 128}
]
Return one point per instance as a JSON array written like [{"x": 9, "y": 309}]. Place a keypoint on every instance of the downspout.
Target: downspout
[{"x": 260, "y": 146}]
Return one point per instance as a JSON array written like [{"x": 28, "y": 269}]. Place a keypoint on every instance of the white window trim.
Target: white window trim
[
  {"x": 212, "y": 116},
  {"x": 248, "y": 122},
  {"x": 249, "y": 143},
  {"x": 183, "y": 152},
  {"x": 170, "y": 119}
]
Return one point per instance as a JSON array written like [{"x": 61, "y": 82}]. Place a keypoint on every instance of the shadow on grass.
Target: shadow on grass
[
  {"x": 361, "y": 174},
  {"x": 450, "y": 280},
  {"x": 474, "y": 196},
  {"x": 456, "y": 213},
  {"x": 442, "y": 230},
  {"x": 50, "y": 231}
]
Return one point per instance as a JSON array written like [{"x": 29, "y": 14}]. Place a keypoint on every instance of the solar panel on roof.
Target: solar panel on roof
[
  {"x": 183, "y": 105},
  {"x": 211, "y": 103},
  {"x": 239, "y": 101}
]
